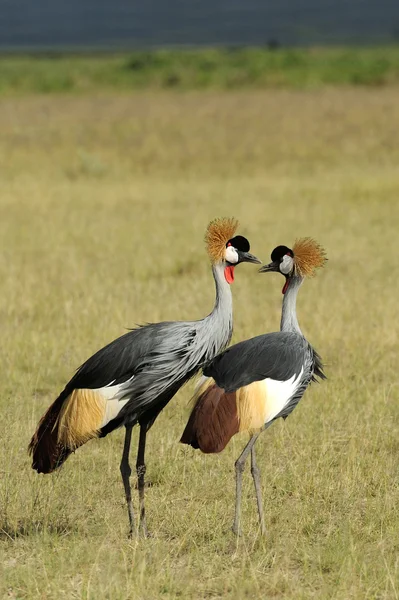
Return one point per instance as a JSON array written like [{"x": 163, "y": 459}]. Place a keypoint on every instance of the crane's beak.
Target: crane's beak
[
  {"x": 270, "y": 268},
  {"x": 247, "y": 257}
]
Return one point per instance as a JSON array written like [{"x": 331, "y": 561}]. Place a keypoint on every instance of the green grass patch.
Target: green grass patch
[{"x": 209, "y": 68}]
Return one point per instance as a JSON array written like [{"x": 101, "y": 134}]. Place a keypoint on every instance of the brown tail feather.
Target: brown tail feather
[
  {"x": 47, "y": 453},
  {"x": 213, "y": 421},
  {"x": 69, "y": 422}
]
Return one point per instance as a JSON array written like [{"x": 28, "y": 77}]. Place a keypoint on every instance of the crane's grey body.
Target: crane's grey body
[
  {"x": 147, "y": 365},
  {"x": 281, "y": 356}
]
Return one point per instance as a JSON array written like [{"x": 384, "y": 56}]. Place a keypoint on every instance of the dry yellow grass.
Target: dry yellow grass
[{"x": 103, "y": 208}]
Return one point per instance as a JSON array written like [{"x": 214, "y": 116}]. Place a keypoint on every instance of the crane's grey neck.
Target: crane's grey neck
[
  {"x": 217, "y": 327},
  {"x": 224, "y": 302},
  {"x": 289, "y": 321}
]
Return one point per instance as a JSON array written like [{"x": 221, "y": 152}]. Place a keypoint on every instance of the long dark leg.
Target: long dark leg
[
  {"x": 240, "y": 465},
  {"x": 126, "y": 472},
  {"x": 256, "y": 477},
  {"x": 140, "y": 467}
]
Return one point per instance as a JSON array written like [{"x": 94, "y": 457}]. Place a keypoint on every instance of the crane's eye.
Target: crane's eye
[{"x": 286, "y": 264}]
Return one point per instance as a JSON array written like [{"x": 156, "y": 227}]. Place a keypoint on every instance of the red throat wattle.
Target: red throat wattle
[
  {"x": 229, "y": 274},
  {"x": 285, "y": 286}
]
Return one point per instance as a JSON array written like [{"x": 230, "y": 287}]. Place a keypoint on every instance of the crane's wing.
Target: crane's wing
[
  {"x": 247, "y": 386},
  {"x": 278, "y": 356},
  {"x": 144, "y": 366},
  {"x": 138, "y": 351}
]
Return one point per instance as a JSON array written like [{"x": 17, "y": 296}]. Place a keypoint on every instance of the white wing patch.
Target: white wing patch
[
  {"x": 116, "y": 397},
  {"x": 278, "y": 393}
]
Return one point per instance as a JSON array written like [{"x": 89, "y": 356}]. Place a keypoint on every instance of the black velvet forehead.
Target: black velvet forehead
[
  {"x": 239, "y": 242},
  {"x": 279, "y": 252}
]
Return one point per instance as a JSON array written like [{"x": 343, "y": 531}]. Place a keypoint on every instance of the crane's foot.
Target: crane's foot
[
  {"x": 146, "y": 534},
  {"x": 135, "y": 534},
  {"x": 143, "y": 530},
  {"x": 236, "y": 529}
]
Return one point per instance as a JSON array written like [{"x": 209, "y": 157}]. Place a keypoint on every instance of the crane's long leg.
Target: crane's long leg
[
  {"x": 126, "y": 472},
  {"x": 256, "y": 477},
  {"x": 240, "y": 465},
  {"x": 141, "y": 469}
]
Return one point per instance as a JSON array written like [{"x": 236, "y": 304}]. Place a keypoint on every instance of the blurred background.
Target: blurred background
[
  {"x": 125, "y": 127},
  {"x": 117, "y": 24},
  {"x": 191, "y": 45}
]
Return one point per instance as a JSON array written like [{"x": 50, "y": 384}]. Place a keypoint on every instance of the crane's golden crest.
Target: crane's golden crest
[
  {"x": 308, "y": 256},
  {"x": 218, "y": 233}
]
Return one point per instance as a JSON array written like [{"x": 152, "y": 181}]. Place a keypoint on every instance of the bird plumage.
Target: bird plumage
[
  {"x": 276, "y": 355},
  {"x": 142, "y": 366},
  {"x": 267, "y": 376}
]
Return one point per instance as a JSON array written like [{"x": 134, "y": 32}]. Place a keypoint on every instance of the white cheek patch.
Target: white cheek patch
[
  {"x": 231, "y": 255},
  {"x": 286, "y": 264}
]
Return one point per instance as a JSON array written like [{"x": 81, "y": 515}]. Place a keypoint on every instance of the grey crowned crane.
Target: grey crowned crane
[
  {"x": 131, "y": 380},
  {"x": 256, "y": 381}
]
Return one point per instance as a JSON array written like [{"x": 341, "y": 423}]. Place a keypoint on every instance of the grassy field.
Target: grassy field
[
  {"x": 104, "y": 203},
  {"x": 206, "y": 68}
]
